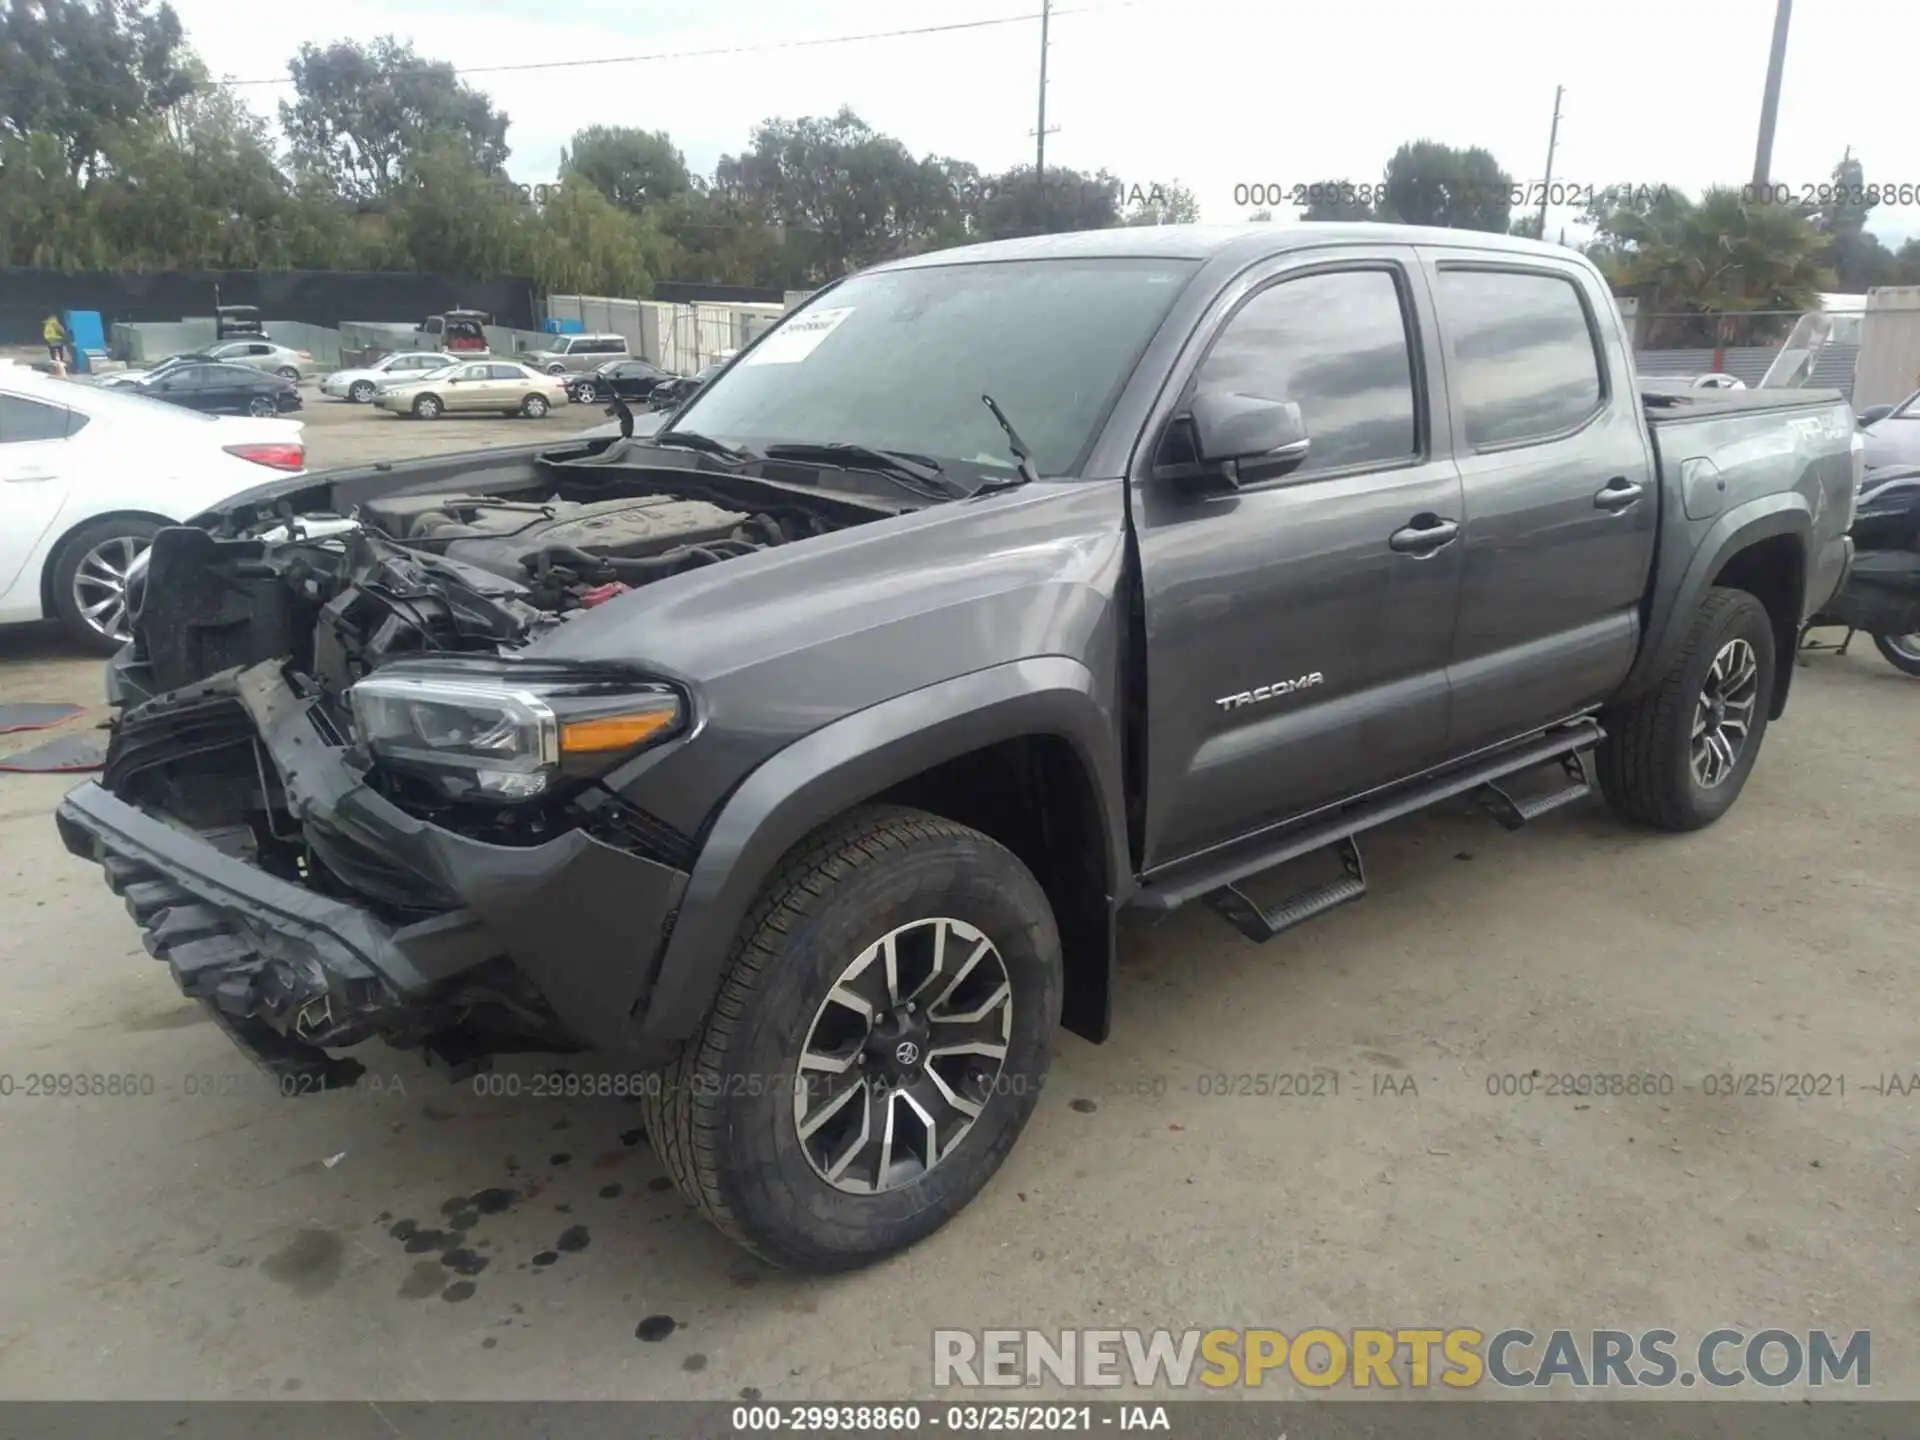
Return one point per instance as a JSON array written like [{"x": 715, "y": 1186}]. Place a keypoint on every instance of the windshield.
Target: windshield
[{"x": 899, "y": 360}]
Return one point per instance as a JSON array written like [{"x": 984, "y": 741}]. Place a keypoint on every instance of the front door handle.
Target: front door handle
[
  {"x": 29, "y": 477},
  {"x": 1618, "y": 494},
  {"x": 1425, "y": 535}
]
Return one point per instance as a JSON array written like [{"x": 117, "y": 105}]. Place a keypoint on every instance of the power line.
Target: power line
[{"x": 719, "y": 50}]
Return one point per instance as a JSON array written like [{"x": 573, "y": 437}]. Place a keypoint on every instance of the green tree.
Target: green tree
[
  {"x": 1428, "y": 183},
  {"x": 633, "y": 168},
  {"x": 79, "y": 69},
  {"x": 842, "y": 194},
  {"x": 1014, "y": 203},
  {"x": 583, "y": 245},
  {"x": 1339, "y": 201},
  {"x": 1160, "y": 203},
  {"x": 361, "y": 113},
  {"x": 450, "y": 215},
  {"x": 1722, "y": 270}
]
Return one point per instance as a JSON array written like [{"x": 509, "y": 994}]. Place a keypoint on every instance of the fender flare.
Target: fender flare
[
  {"x": 849, "y": 761},
  {"x": 1743, "y": 526}
]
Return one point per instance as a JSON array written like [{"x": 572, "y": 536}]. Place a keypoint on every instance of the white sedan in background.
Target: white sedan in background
[
  {"x": 362, "y": 384},
  {"x": 88, "y": 476}
]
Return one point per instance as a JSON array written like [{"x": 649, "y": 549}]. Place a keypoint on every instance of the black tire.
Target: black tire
[
  {"x": 263, "y": 406},
  {"x": 722, "y": 1118},
  {"x": 1645, "y": 764},
  {"x": 428, "y": 407},
  {"x": 287, "y": 372},
  {"x": 66, "y": 561},
  {"x": 583, "y": 393},
  {"x": 360, "y": 392},
  {"x": 534, "y": 407},
  {"x": 1901, "y": 651}
]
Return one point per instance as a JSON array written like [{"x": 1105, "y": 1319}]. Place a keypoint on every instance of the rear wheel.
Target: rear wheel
[
  {"x": 89, "y": 580},
  {"x": 360, "y": 392},
  {"x": 880, "y": 1038},
  {"x": 1677, "y": 757},
  {"x": 534, "y": 406},
  {"x": 1901, "y": 651},
  {"x": 428, "y": 407},
  {"x": 287, "y": 372}
]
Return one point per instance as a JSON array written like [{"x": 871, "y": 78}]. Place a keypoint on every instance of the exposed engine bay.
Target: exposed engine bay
[{"x": 446, "y": 571}]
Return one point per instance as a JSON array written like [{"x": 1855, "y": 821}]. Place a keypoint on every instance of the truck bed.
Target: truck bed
[{"x": 1664, "y": 406}]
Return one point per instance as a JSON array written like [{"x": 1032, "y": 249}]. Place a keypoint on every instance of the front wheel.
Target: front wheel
[
  {"x": 427, "y": 407},
  {"x": 261, "y": 406},
  {"x": 360, "y": 392},
  {"x": 1901, "y": 651},
  {"x": 287, "y": 372},
  {"x": 881, "y": 1035},
  {"x": 534, "y": 406},
  {"x": 583, "y": 393},
  {"x": 1677, "y": 757}
]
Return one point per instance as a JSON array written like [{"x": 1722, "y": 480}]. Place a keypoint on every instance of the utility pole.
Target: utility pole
[
  {"x": 1040, "y": 132},
  {"x": 1553, "y": 143},
  {"x": 1770, "y": 102}
]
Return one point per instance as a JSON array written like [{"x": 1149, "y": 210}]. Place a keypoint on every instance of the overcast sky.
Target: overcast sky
[{"x": 1215, "y": 93}]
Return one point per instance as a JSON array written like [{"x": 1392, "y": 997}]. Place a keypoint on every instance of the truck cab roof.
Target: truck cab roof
[{"x": 1247, "y": 242}]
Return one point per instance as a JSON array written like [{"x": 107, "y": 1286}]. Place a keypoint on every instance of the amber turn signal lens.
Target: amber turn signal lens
[{"x": 613, "y": 732}]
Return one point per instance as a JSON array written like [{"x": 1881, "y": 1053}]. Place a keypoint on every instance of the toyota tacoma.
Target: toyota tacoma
[{"x": 803, "y": 755}]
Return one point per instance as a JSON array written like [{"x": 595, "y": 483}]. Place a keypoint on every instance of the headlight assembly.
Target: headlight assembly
[{"x": 502, "y": 738}]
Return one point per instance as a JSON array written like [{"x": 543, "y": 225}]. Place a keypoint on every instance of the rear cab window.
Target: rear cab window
[{"x": 1524, "y": 353}]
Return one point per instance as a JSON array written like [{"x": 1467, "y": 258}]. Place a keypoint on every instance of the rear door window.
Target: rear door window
[{"x": 1524, "y": 355}]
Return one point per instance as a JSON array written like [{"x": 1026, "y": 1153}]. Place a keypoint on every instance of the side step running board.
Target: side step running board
[
  {"x": 1260, "y": 926},
  {"x": 1513, "y": 814},
  {"x": 1216, "y": 878}
]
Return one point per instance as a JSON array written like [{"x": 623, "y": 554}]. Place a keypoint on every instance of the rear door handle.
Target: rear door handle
[
  {"x": 1425, "y": 535},
  {"x": 1618, "y": 494},
  {"x": 26, "y": 477}
]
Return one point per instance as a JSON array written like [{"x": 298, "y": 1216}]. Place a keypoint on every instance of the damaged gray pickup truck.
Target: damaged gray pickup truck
[{"x": 800, "y": 757}]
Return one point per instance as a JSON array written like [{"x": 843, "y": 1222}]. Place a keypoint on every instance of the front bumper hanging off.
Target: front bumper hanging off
[{"x": 288, "y": 971}]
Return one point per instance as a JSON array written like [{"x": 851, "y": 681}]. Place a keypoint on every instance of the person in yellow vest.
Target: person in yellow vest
[{"x": 55, "y": 334}]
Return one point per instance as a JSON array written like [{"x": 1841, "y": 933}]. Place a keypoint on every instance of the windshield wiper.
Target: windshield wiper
[
  {"x": 705, "y": 444},
  {"x": 1023, "y": 457},
  {"x": 919, "y": 473}
]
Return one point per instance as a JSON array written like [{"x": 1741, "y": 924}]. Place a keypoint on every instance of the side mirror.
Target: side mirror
[
  {"x": 1248, "y": 437},
  {"x": 1873, "y": 414}
]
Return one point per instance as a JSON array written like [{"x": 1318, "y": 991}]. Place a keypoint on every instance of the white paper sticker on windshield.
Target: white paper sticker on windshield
[{"x": 798, "y": 338}]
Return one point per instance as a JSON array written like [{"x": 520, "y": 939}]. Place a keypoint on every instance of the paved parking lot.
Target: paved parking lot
[
  {"x": 201, "y": 1238},
  {"x": 339, "y": 434}
]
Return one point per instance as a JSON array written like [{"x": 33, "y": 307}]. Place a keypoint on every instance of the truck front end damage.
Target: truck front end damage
[{"x": 345, "y": 799}]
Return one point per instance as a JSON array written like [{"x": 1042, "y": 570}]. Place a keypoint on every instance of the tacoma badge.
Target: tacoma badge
[{"x": 1269, "y": 692}]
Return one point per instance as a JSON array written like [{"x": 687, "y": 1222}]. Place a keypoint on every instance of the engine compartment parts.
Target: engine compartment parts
[{"x": 459, "y": 572}]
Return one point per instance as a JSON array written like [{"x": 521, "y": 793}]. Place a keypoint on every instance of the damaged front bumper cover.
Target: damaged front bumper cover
[{"x": 288, "y": 971}]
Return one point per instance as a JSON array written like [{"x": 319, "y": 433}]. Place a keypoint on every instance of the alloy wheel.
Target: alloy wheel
[
  {"x": 1723, "y": 715},
  {"x": 1905, "y": 646},
  {"x": 361, "y": 392},
  {"x": 260, "y": 406},
  {"x": 903, "y": 1055},
  {"x": 100, "y": 585}
]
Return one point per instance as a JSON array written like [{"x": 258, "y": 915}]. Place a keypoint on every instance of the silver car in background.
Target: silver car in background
[
  {"x": 1894, "y": 438},
  {"x": 362, "y": 383},
  {"x": 263, "y": 354}
]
